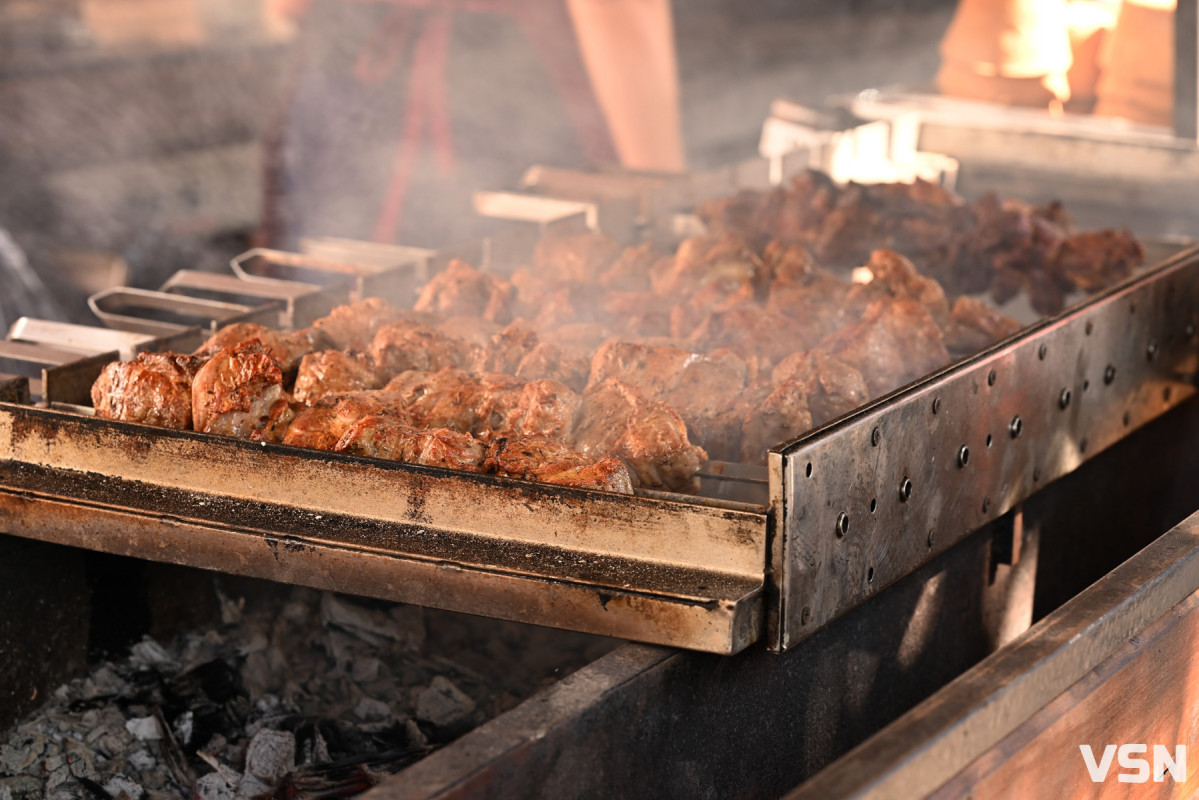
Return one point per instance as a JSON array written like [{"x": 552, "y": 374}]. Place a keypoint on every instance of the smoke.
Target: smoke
[
  {"x": 174, "y": 135},
  {"x": 22, "y": 293}
]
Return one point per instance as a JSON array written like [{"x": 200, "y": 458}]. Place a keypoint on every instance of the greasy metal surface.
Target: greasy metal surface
[
  {"x": 72, "y": 383},
  {"x": 118, "y": 308},
  {"x": 66, "y": 375},
  {"x": 185, "y": 341},
  {"x": 302, "y": 303},
  {"x": 867, "y": 499},
  {"x": 83, "y": 338},
  {"x": 667, "y": 572},
  {"x": 376, "y": 277},
  {"x": 36, "y": 353},
  {"x": 937, "y": 739},
  {"x": 355, "y": 251}
]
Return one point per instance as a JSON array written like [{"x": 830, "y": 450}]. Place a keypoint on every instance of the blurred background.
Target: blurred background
[
  {"x": 132, "y": 131},
  {"x": 139, "y": 137}
]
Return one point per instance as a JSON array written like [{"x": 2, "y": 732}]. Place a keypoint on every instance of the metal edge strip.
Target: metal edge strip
[{"x": 864, "y": 500}]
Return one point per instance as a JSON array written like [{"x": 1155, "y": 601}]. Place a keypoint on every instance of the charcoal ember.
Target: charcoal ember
[
  {"x": 366, "y": 670},
  {"x": 372, "y": 626},
  {"x": 123, "y": 784},
  {"x": 81, "y": 760},
  {"x": 146, "y": 729},
  {"x": 22, "y": 752},
  {"x": 348, "y": 722},
  {"x": 213, "y": 787},
  {"x": 21, "y": 787},
  {"x": 271, "y": 755},
  {"x": 445, "y": 707},
  {"x": 370, "y": 709},
  {"x": 103, "y": 682},
  {"x": 108, "y": 734},
  {"x": 149, "y": 653}
]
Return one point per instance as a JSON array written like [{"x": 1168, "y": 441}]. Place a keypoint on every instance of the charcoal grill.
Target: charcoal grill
[{"x": 771, "y": 553}]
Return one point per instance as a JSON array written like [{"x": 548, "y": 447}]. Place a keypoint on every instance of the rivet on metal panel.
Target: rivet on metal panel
[
  {"x": 1015, "y": 426},
  {"x": 842, "y": 524},
  {"x": 905, "y": 490},
  {"x": 936, "y": 404},
  {"x": 963, "y": 456},
  {"x": 1109, "y": 374},
  {"x": 876, "y": 436},
  {"x": 1042, "y": 351},
  {"x": 991, "y": 378},
  {"x": 1063, "y": 399}
]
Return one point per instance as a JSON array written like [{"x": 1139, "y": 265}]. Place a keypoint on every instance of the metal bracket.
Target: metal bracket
[{"x": 863, "y": 501}]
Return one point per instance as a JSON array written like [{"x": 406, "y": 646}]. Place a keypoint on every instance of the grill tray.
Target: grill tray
[{"x": 773, "y": 553}]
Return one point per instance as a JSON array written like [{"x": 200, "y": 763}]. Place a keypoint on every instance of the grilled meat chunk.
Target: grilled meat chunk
[
  {"x": 545, "y": 408},
  {"x": 239, "y": 392},
  {"x": 391, "y": 439},
  {"x": 448, "y": 398},
  {"x": 506, "y": 349},
  {"x": 353, "y": 326},
  {"x": 550, "y": 361},
  {"x": 487, "y": 405},
  {"x": 154, "y": 389},
  {"x": 974, "y": 325},
  {"x": 898, "y": 277},
  {"x": 630, "y": 272},
  {"x": 703, "y": 260},
  {"x": 832, "y": 387},
  {"x": 578, "y": 258},
  {"x": 782, "y": 415},
  {"x": 895, "y": 342},
  {"x": 700, "y": 387},
  {"x": 322, "y": 425},
  {"x": 616, "y": 419},
  {"x": 755, "y": 334},
  {"x": 462, "y": 290},
  {"x": 1095, "y": 259},
  {"x": 315, "y": 427},
  {"x": 286, "y": 348},
  {"x": 333, "y": 372},
  {"x": 403, "y": 346},
  {"x": 540, "y": 458}
]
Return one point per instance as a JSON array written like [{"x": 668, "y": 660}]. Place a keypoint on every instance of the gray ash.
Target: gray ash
[{"x": 304, "y": 695}]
